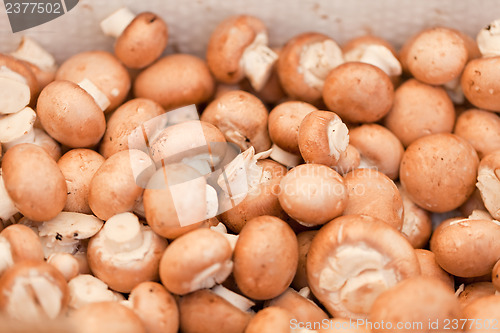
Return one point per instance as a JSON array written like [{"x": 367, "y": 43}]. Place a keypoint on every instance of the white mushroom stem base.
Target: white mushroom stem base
[
  {"x": 258, "y": 60},
  {"x": 212, "y": 275},
  {"x": 117, "y": 22},
  {"x": 123, "y": 233},
  {"x": 488, "y": 183},
  {"x": 32, "y": 52},
  {"x": 488, "y": 39},
  {"x": 14, "y": 94},
  {"x": 99, "y": 97},
  {"x": 376, "y": 55},
  {"x": 338, "y": 137},
  {"x": 85, "y": 289},
  {"x": 284, "y": 157},
  {"x": 17, "y": 128},
  {"x": 317, "y": 60},
  {"x": 238, "y": 301}
]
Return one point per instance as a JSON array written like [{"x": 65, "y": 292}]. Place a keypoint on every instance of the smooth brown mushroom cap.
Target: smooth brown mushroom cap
[
  {"x": 70, "y": 115},
  {"x": 481, "y": 128},
  {"x": 485, "y": 310},
  {"x": 103, "y": 70},
  {"x": 270, "y": 320},
  {"x": 34, "y": 182},
  {"x": 24, "y": 243},
  {"x": 302, "y": 309},
  {"x": 175, "y": 80},
  {"x": 142, "y": 41},
  {"x": 480, "y": 84}
]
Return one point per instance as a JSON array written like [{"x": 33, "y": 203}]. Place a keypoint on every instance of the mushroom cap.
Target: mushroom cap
[
  {"x": 228, "y": 42},
  {"x": 378, "y": 148},
  {"x": 262, "y": 200},
  {"x": 34, "y": 182},
  {"x": 265, "y": 257},
  {"x": 474, "y": 291},
  {"x": 417, "y": 223},
  {"x": 284, "y": 122},
  {"x": 358, "y": 92},
  {"x": 270, "y": 320},
  {"x": 466, "y": 248},
  {"x": 105, "y": 317},
  {"x": 126, "y": 118},
  {"x": 48, "y": 294},
  {"x": 485, "y": 309},
  {"x": 118, "y": 183},
  {"x": 156, "y": 307},
  {"x": 204, "y": 311},
  {"x": 65, "y": 263},
  {"x": 372, "y": 193},
  {"x": 430, "y": 268},
  {"x": 313, "y": 194},
  {"x": 302, "y": 309},
  {"x": 21, "y": 68},
  {"x": 175, "y": 80},
  {"x": 291, "y": 78},
  {"x": 196, "y": 260},
  {"x": 142, "y": 41},
  {"x": 304, "y": 239},
  {"x": 355, "y": 258},
  {"x": 431, "y": 167},
  {"x": 480, "y": 84},
  {"x": 70, "y": 115},
  {"x": 481, "y": 128},
  {"x": 418, "y": 110},
  {"x": 123, "y": 269},
  {"x": 435, "y": 55},
  {"x": 24, "y": 243},
  {"x": 242, "y": 118},
  {"x": 175, "y": 200},
  {"x": 103, "y": 70},
  {"x": 79, "y": 167},
  {"x": 416, "y": 300},
  {"x": 316, "y": 143},
  {"x": 348, "y": 161}
]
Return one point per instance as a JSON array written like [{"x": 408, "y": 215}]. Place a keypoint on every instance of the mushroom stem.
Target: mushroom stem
[
  {"x": 454, "y": 91},
  {"x": 338, "y": 137},
  {"x": 317, "y": 60},
  {"x": 123, "y": 233},
  {"x": 284, "y": 157},
  {"x": 27, "y": 137},
  {"x": 7, "y": 207},
  {"x": 99, "y": 97},
  {"x": 221, "y": 228},
  {"x": 115, "y": 24},
  {"x": 17, "y": 127},
  {"x": 32, "y": 52},
  {"x": 14, "y": 94},
  {"x": 238, "y": 301},
  {"x": 258, "y": 60},
  {"x": 376, "y": 55},
  {"x": 6, "y": 259},
  {"x": 488, "y": 39},
  {"x": 212, "y": 201}
]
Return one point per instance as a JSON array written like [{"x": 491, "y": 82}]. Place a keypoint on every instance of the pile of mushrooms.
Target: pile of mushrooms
[{"x": 307, "y": 187}]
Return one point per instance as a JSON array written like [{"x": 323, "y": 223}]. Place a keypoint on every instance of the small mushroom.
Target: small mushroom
[
  {"x": 313, "y": 194},
  {"x": 175, "y": 80},
  {"x": 409, "y": 303},
  {"x": 417, "y": 223},
  {"x": 118, "y": 184},
  {"x": 372, "y": 193},
  {"x": 323, "y": 138},
  {"x": 103, "y": 70},
  {"x": 33, "y": 290},
  {"x": 70, "y": 114},
  {"x": 140, "y": 39},
  {"x": 425, "y": 171},
  {"x": 373, "y": 143},
  {"x": 304, "y": 64},
  {"x": 26, "y": 169},
  {"x": 105, "y": 317},
  {"x": 206, "y": 262},
  {"x": 304, "y": 239},
  {"x": 265, "y": 257},
  {"x": 284, "y": 122},
  {"x": 213, "y": 311},
  {"x": 418, "y": 110},
  {"x": 18, "y": 243},
  {"x": 86, "y": 289},
  {"x": 238, "y": 48},
  {"x": 430, "y": 268},
  {"x": 272, "y": 319},
  {"x": 65, "y": 263},
  {"x": 488, "y": 183},
  {"x": 484, "y": 314},
  {"x": 125, "y": 253},
  {"x": 435, "y": 55},
  {"x": 467, "y": 294},
  {"x": 481, "y": 128},
  {"x": 78, "y": 167},
  {"x": 358, "y": 92},
  {"x": 479, "y": 83},
  {"x": 124, "y": 120},
  {"x": 155, "y": 306},
  {"x": 242, "y": 118},
  {"x": 355, "y": 258},
  {"x": 465, "y": 247}
]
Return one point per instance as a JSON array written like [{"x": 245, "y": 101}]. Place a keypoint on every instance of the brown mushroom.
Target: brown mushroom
[
  {"x": 304, "y": 239},
  {"x": 65, "y": 263},
  {"x": 174, "y": 81},
  {"x": 430, "y": 268},
  {"x": 87, "y": 289},
  {"x": 103, "y": 70},
  {"x": 481, "y": 129},
  {"x": 302, "y": 309},
  {"x": 355, "y": 258},
  {"x": 479, "y": 83},
  {"x": 473, "y": 291},
  {"x": 417, "y": 223},
  {"x": 483, "y": 314},
  {"x": 425, "y": 171},
  {"x": 18, "y": 243},
  {"x": 272, "y": 319}
]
